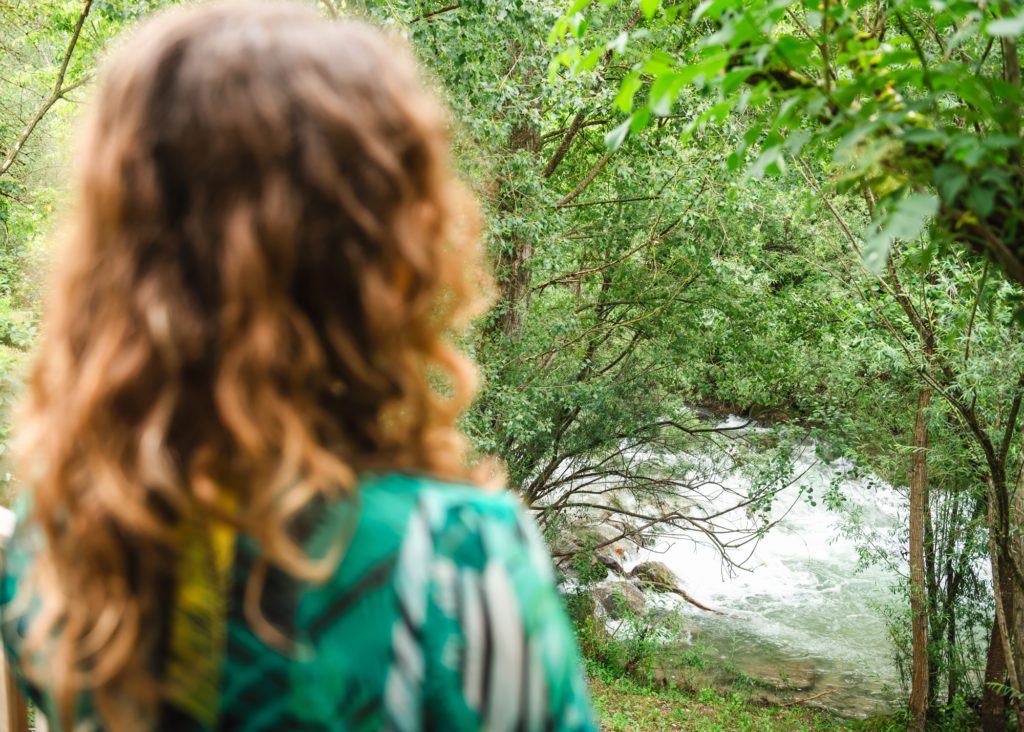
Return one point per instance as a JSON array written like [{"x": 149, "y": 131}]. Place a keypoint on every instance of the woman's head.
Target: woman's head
[{"x": 268, "y": 252}]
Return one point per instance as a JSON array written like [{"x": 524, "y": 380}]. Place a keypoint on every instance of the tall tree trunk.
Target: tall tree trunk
[
  {"x": 1003, "y": 630},
  {"x": 936, "y": 619},
  {"x": 918, "y": 596},
  {"x": 993, "y": 702},
  {"x": 953, "y": 574},
  {"x": 1017, "y": 613},
  {"x": 952, "y": 668},
  {"x": 515, "y": 283}
]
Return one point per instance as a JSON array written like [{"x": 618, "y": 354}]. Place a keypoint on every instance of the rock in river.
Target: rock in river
[
  {"x": 656, "y": 576},
  {"x": 620, "y": 598}
]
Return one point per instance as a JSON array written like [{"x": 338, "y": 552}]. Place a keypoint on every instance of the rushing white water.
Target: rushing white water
[{"x": 800, "y": 598}]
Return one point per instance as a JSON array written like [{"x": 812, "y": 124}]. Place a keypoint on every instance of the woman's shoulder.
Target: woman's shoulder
[
  {"x": 437, "y": 490},
  {"x": 463, "y": 522}
]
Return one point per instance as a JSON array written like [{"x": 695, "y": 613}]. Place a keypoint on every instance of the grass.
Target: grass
[{"x": 625, "y": 704}]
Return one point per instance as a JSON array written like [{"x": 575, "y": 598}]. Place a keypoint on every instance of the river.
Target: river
[{"x": 800, "y": 602}]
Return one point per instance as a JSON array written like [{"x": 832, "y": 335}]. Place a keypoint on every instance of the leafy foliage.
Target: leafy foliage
[{"x": 914, "y": 102}]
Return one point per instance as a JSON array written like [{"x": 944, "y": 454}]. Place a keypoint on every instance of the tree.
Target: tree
[
  {"x": 916, "y": 111},
  {"x": 923, "y": 108},
  {"x": 918, "y": 600}
]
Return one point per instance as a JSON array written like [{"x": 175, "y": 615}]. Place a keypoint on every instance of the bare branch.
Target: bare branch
[
  {"x": 587, "y": 180},
  {"x": 330, "y": 8},
  {"x": 432, "y": 13},
  {"x": 563, "y": 147},
  {"x": 609, "y": 201},
  {"x": 59, "y": 90}
]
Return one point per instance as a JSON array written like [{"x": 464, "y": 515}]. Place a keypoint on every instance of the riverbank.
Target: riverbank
[{"x": 624, "y": 704}]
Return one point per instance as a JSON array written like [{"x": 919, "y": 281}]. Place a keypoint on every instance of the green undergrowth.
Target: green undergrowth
[
  {"x": 624, "y": 703},
  {"x": 643, "y": 681},
  {"x": 706, "y": 702}
]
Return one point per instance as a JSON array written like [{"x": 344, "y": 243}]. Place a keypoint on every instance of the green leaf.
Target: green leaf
[
  {"x": 1006, "y": 27},
  {"x": 649, "y": 7},
  {"x": 559, "y": 30},
  {"x": 627, "y": 90},
  {"x": 950, "y": 180},
  {"x": 663, "y": 93},
  {"x": 640, "y": 120},
  {"x": 921, "y": 136},
  {"x": 618, "y": 44},
  {"x": 905, "y": 220},
  {"x": 614, "y": 139},
  {"x": 767, "y": 157},
  {"x": 589, "y": 61},
  {"x": 578, "y": 25},
  {"x": 795, "y": 141},
  {"x": 981, "y": 200}
]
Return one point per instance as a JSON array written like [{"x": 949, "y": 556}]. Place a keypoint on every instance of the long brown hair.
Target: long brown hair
[{"x": 268, "y": 256}]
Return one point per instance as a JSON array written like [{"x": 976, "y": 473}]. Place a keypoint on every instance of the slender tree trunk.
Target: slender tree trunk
[
  {"x": 936, "y": 619},
  {"x": 1017, "y": 604},
  {"x": 952, "y": 668},
  {"x": 953, "y": 575},
  {"x": 918, "y": 596}
]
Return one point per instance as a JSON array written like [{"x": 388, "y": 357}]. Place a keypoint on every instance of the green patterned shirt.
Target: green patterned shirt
[{"x": 443, "y": 615}]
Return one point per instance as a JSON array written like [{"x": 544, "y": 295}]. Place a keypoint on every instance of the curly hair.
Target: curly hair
[{"x": 268, "y": 257}]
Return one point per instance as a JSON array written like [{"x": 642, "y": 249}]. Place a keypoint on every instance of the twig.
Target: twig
[
  {"x": 809, "y": 698},
  {"x": 330, "y": 8},
  {"x": 563, "y": 148},
  {"x": 432, "y": 13},
  {"x": 59, "y": 90},
  {"x": 587, "y": 180},
  {"x": 609, "y": 200}
]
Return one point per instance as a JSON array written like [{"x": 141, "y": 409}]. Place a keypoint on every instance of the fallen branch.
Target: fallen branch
[
  {"x": 809, "y": 698},
  {"x": 684, "y": 595}
]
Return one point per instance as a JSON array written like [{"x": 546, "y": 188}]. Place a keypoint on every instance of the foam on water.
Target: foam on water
[{"x": 800, "y": 596}]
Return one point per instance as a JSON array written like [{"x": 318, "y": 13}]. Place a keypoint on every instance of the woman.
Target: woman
[{"x": 250, "y": 508}]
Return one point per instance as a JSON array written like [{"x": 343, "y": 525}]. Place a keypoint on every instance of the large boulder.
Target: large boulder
[
  {"x": 608, "y": 535},
  {"x": 574, "y": 562},
  {"x": 655, "y": 576},
  {"x": 620, "y": 599},
  {"x": 589, "y": 552},
  {"x": 609, "y": 560}
]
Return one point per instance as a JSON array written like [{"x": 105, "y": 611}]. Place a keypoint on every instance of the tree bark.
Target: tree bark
[
  {"x": 1005, "y": 671},
  {"x": 918, "y": 596},
  {"x": 936, "y": 619},
  {"x": 1017, "y": 603},
  {"x": 515, "y": 286},
  {"x": 993, "y": 702}
]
